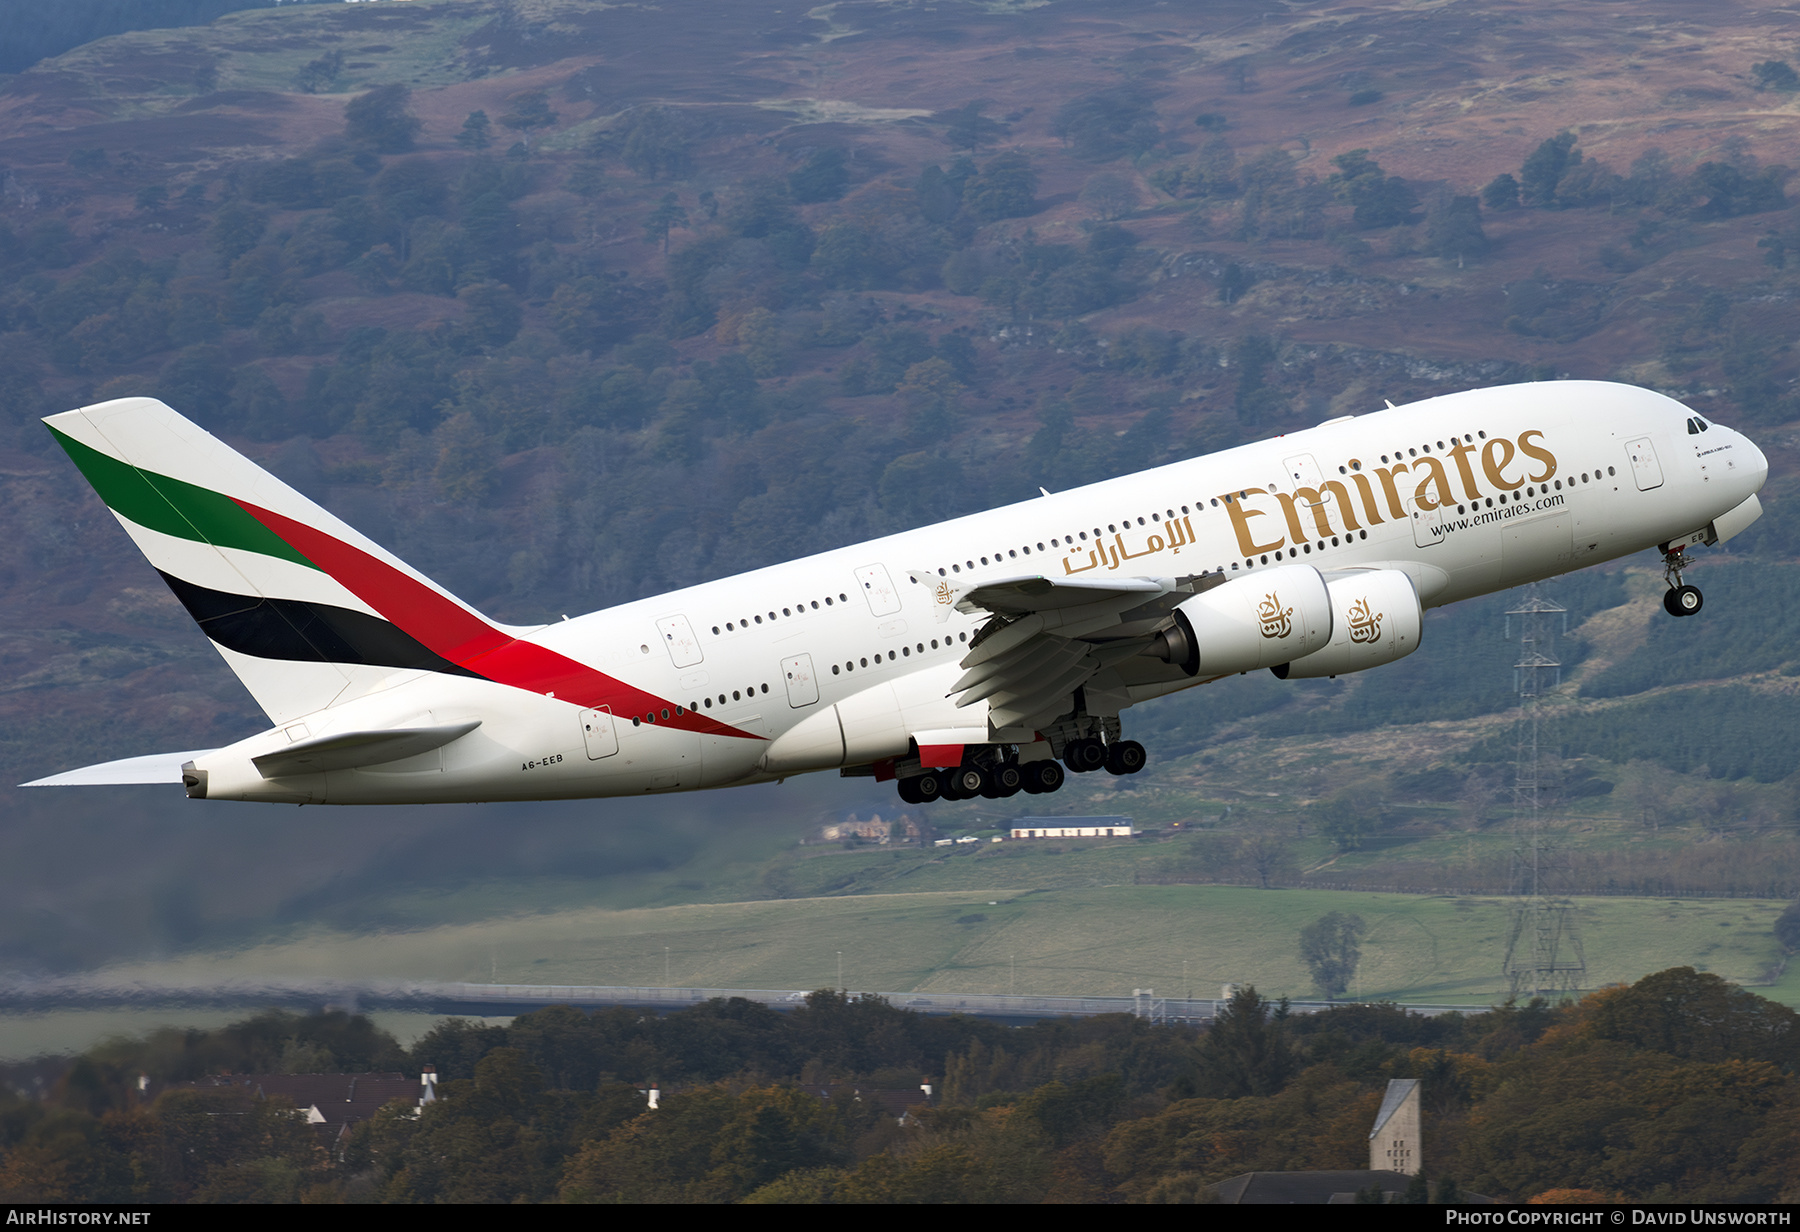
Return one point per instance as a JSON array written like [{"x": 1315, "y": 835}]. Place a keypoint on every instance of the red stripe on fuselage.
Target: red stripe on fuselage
[{"x": 459, "y": 635}]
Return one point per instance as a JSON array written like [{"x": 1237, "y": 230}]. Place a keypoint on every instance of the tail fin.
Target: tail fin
[{"x": 304, "y": 609}]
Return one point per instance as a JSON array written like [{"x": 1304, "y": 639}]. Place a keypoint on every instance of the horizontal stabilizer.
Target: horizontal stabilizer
[
  {"x": 349, "y": 750},
  {"x": 155, "y": 768}
]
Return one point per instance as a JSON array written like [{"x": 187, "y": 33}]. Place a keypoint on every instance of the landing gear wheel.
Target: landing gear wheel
[
  {"x": 1006, "y": 780},
  {"x": 1083, "y": 756},
  {"x": 909, "y": 791},
  {"x": 1125, "y": 757},
  {"x": 1683, "y": 601},
  {"x": 927, "y": 787},
  {"x": 1042, "y": 777},
  {"x": 968, "y": 782}
]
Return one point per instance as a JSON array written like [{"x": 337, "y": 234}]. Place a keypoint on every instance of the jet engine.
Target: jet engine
[
  {"x": 1376, "y": 618},
  {"x": 1269, "y": 617}
]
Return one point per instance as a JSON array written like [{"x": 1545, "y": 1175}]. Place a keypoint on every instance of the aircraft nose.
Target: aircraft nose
[{"x": 1758, "y": 465}]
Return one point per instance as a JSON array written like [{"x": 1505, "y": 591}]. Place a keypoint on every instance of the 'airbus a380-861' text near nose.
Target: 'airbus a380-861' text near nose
[{"x": 976, "y": 657}]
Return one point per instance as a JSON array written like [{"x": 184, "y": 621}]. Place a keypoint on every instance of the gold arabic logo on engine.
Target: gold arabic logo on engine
[
  {"x": 1365, "y": 625},
  {"x": 1275, "y": 619}
]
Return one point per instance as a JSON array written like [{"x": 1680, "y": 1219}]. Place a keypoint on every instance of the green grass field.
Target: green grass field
[
  {"x": 756, "y": 912},
  {"x": 1096, "y": 940}
]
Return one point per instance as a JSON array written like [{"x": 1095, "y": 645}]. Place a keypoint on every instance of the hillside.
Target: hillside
[{"x": 569, "y": 304}]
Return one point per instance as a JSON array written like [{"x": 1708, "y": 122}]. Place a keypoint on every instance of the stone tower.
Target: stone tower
[{"x": 1394, "y": 1143}]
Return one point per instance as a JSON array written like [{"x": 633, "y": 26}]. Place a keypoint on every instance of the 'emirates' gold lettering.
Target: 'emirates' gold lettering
[
  {"x": 1368, "y": 494},
  {"x": 1438, "y": 480},
  {"x": 1435, "y": 488},
  {"x": 1240, "y": 523},
  {"x": 1496, "y": 456},
  {"x": 1542, "y": 455},
  {"x": 1387, "y": 474},
  {"x": 1460, "y": 451}
]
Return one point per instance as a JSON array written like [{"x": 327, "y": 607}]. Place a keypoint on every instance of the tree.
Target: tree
[
  {"x": 968, "y": 128},
  {"x": 1501, "y": 193},
  {"x": 491, "y": 312},
  {"x": 379, "y": 119},
  {"x": 1787, "y": 927},
  {"x": 667, "y": 215},
  {"x": 1331, "y": 947},
  {"x": 1253, "y": 356},
  {"x": 1246, "y": 1052},
  {"x": 1109, "y": 195},
  {"x": 235, "y": 230},
  {"x": 1267, "y": 856},
  {"x": 1696, "y": 1016},
  {"x": 530, "y": 109},
  {"x": 1346, "y": 818},
  {"x": 474, "y": 134},
  {"x": 823, "y": 177},
  {"x": 1776, "y": 75},
  {"x": 1453, "y": 229},
  {"x": 1376, "y": 199},
  {"x": 1731, "y": 190},
  {"x": 321, "y": 73},
  {"x": 1106, "y": 123},
  {"x": 656, "y": 144},
  {"x": 1544, "y": 168},
  {"x": 1005, "y": 188}
]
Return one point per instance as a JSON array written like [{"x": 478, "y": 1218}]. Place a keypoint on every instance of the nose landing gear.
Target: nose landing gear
[{"x": 1681, "y": 599}]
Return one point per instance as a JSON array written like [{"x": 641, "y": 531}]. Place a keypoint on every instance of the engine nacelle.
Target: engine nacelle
[
  {"x": 1376, "y": 619},
  {"x": 1270, "y": 617}
]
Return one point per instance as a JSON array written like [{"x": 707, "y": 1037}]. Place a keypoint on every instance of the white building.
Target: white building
[{"x": 1072, "y": 827}]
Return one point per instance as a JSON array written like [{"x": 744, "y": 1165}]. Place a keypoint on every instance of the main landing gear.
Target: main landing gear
[
  {"x": 994, "y": 773},
  {"x": 1119, "y": 757},
  {"x": 1681, "y": 599}
]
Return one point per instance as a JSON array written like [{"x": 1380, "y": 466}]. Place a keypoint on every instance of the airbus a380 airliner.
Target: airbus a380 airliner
[{"x": 977, "y": 657}]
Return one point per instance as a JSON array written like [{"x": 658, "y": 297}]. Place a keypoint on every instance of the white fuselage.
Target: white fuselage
[{"x": 1467, "y": 494}]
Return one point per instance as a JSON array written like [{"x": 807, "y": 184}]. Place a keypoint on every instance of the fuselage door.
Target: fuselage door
[
  {"x": 678, "y": 636},
  {"x": 802, "y": 685},
  {"x": 1644, "y": 464},
  {"x": 878, "y": 589},
  {"x": 597, "y": 729},
  {"x": 1303, "y": 474},
  {"x": 1427, "y": 524},
  {"x": 1303, "y": 471}
]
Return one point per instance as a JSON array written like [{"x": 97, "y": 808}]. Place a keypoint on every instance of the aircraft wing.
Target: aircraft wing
[{"x": 1036, "y": 652}]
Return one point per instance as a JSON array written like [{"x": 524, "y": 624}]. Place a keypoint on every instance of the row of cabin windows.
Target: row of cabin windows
[
  {"x": 1487, "y": 502},
  {"x": 732, "y": 626},
  {"x": 1065, "y": 541},
  {"x": 1113, "y": 527},
  {"x": 706, "y": 703},
  {"x": 892, "y": 656}
]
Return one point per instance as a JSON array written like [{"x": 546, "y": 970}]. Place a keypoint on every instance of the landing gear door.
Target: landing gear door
[
  {"x": 878, "y": 589},
  {"x": 802, "y": 685},
  {"x": 597, "y": 729},
  {"x": 678, "y": 636},
  {"x": 1644, "y": 465}
]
